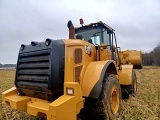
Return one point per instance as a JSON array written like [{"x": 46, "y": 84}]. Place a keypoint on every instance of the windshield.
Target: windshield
[{"x": 93, "y": 36}]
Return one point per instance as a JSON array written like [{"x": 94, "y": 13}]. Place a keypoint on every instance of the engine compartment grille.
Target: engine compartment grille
[{"x": 33, "y": 71}]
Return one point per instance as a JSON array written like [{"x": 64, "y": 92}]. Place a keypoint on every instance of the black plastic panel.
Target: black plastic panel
[{"x": 42, "y": 69}]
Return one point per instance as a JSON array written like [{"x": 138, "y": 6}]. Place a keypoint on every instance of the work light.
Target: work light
[
  {"x": 70, "y": 91},
  {"x": 48, "y": 42},
  {"x": 22, "y": 47}
]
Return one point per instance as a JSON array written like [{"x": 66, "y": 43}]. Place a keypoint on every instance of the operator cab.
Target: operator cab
[
  {"x": 96, "y": 33},
  {"x": 99, "y": 34}
]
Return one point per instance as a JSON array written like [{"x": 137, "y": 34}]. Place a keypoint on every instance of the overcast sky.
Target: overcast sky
[{"x": 137, "y": 22}]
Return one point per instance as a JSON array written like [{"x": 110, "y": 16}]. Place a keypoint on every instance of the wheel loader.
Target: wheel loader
[{"x": 79, "y": 78}]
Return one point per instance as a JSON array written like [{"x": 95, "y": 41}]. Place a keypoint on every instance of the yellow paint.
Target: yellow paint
[
  {"x": 105, "y": 54},
  {"x": 70, "y": 46},
  {"x": 66, "y": 107},
  {"x": 10, "y": 91},
  {"x": 131, "y": 57},
  {"x": 69, "y": 105},
  {"x": 36, "y": 106},
  {"x": 125, "y": 75},
  {"x": 91, "y": 76},
  {"x": 11, "y": 98},
  {"x": 114, "y": 100}
]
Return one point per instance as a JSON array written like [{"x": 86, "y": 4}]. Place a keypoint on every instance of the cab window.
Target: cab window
[
  {"x": 96, "y": 40},
  {"x": 106, "y": 38}
]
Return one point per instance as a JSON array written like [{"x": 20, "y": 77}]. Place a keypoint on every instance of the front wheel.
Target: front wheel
[
  {"x": 111, "y": 96},
  {"x": 107, "y": 106}
]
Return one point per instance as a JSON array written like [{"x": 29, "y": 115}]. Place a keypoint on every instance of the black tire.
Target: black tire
[
  {"x": 111, "y": 91},
  {"x": 101, "y": 108},
  {"x": 134, "y": 84}
]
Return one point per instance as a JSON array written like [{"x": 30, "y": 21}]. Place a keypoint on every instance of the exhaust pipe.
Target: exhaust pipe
[{"x": 71, "y": 30}]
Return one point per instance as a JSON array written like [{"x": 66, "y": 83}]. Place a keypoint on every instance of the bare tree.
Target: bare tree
[
  {"x": 147, "y": 58},
  {"x": 156, "y": 55}
]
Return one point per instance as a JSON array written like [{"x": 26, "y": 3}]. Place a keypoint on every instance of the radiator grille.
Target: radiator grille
[
  {"x": 33, "y": 71},
  {"x": 77, "y": 73},
  {"x": 77, "y": 55}
]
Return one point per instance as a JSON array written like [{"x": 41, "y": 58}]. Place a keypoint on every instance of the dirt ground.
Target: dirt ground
[{"x": 144, "y": 106}]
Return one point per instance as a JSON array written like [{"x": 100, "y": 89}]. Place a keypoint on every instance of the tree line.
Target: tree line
[
  {"x": 153, "y": 57},
  {"x": 148, "y": 58},
  {"x": 7, "y": 65}
]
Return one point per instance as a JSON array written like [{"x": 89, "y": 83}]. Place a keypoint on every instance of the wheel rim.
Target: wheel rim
[{"x": 114, "y": 100}]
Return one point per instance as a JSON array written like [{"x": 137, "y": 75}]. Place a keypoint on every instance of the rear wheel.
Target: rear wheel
[
  {"x": 130, "y": 89},
  {"x": 134, "y": 84},
  {"x": 107, "y": 106}
]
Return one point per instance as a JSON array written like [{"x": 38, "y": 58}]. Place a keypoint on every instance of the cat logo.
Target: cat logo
[{"x": 88, "y": 50}]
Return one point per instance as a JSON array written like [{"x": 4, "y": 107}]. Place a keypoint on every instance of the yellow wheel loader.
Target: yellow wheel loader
[{"x": 80, "y": 78}]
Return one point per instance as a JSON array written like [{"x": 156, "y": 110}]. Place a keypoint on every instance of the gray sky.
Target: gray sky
[{"x": 137, "y": 22}]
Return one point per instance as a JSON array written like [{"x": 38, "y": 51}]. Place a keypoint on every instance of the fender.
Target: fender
[
  {"x": 93, "y": 77},
  {"x": 125, "y": 75}
]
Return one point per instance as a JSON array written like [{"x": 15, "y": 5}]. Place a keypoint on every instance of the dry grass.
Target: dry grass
[
  {"x": 7, "y": 113},
  {"x": 145, "y": 106}
]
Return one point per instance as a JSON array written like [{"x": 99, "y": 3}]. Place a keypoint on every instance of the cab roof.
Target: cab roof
[{"x": 99, "y": 24}]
